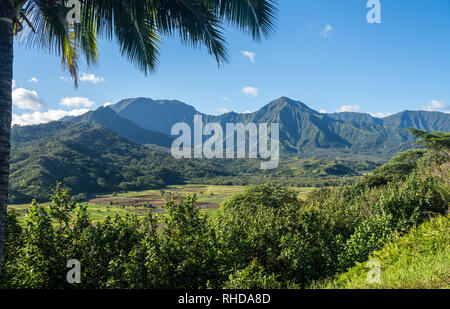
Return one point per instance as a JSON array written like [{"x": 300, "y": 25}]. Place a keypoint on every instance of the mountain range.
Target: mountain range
[
  {"x": 125, "y": 147},
  {"x": 304, "y": 132}
]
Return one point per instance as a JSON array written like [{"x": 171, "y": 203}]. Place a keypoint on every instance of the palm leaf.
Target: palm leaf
[
  {"x": 139, "y": 24},
  {"x": 255, "y": 16},
  {"x": 195, "y": 22}
]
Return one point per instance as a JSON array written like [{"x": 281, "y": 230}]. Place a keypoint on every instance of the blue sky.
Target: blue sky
[{"x": 324, "y": 53}]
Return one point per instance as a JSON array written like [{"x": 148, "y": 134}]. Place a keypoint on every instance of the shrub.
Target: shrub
[{"x": 252, "y": 277}]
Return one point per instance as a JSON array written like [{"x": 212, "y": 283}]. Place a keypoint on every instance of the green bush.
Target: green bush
[{"x": 252, "y": 277}]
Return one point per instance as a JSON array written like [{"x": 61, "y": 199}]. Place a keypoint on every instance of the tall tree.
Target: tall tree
[
  {"x": 137, "y": 25},
  {"x": 436, "y": 140}
]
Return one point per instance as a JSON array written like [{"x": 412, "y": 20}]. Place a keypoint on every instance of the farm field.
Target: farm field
[{"x": 140, "y": 203}]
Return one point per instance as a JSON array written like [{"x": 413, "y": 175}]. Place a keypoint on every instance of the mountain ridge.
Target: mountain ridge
[
  {"x": 107, "y": 117},
  {"x": 304, "y": 132}
]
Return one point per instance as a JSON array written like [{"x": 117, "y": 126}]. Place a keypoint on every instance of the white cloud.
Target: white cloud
[
  {"x": 66, "y": 79},
  {"x": 247, "y": 112},
  {"x": 14, "y": 84},
  {"x": 323, "y": 111},
  {"x": 380, "y": 115},
  {"x": 225, "y": 99},
  {"x": 249, "y": 55},
  {"x": 44, "y": 117},
  {"x": 76, "y": 102},
  {"x": 223, "y": 110},
  {"x": 437, "y": 106},
  {"x": 91, "y": 78},
  {"x": 349, "y": 108},
  {"x": 326, "y": 31},
  {"x": 107, "y": 104},
  {"x": 357, "y": 109},
  {"x": 26, "y": 99},
  {"x": 33, "y": 80},
  {"x": 250, "y": 91}
]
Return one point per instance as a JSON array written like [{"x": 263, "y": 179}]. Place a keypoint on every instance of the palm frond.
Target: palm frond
[
  {"x": 255, "y": 16},
  {"x": 56, "y": 36},
  {"x": 195, "y": 22},
  {"x": 139, "y": 24},
  {"x": 131, "y": 22}
]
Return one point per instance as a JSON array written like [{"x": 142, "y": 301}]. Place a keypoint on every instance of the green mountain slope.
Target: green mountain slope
[
  {"x": 96, "y": 152},
  {"x": 356, "y": 118},
  {"x": 93, "y": 159},
  {"x": 159, "y": 115},
  {"x": 303, "y": 131},
  {"x": 25, "y": 134},
  {"x": 307, "y": 133},
  {"x": 106, "y": 117},
  {"x": 421, "y": 120},
  {"x": 103, "y": 116}
]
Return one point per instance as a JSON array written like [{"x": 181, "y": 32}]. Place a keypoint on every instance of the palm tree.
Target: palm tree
[{"x": 137, "y": 25}]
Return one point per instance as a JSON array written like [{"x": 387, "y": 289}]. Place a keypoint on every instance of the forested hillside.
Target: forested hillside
[
  {"x": 303, "y": 131},
  {"x": 92, "y": 159}
]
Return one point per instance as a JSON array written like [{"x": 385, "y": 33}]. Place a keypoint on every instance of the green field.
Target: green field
[{"x": 209, "y": 198}]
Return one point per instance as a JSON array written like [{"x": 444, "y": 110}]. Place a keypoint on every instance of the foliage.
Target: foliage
[
  {"x": 437, "y": 141},
  {"x": 252, "y": 277},
  {"x": 263, "y": 237},
  {"x": 417, "y": 260}
]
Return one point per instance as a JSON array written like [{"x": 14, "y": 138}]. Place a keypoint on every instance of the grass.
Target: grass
[
  {"x": 303, "y": 191},
  {"x": 418, "y": 260}
]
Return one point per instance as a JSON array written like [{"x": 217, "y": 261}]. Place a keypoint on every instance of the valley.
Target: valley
[
  {"x": 141, "y": 203},
  {"x": 125, "y": 147}
]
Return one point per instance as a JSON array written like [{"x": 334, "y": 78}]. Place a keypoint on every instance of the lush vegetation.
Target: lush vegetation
[
  {"x": 418, "y": 260},
  {"x": 264, "y": 237},
  {"x": 94, "y": 160},
  {"x": 91, "y": 159},
  {"x": 140, "y": 203}
]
